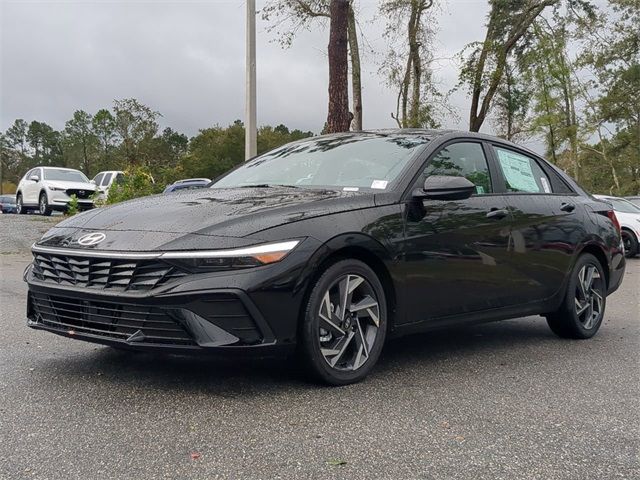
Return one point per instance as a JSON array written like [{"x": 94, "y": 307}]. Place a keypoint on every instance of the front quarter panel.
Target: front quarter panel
[{"x": 375, "y": 232}]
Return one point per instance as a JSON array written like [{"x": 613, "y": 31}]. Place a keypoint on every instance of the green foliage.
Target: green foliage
[
  {"x": 138, "y": 182},
  {"x": 72, "y": 206}
]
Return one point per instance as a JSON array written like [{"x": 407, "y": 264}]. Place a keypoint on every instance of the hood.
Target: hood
[
  {"x": 221, "y": 213},
  {"x": 74, "y": 185}
]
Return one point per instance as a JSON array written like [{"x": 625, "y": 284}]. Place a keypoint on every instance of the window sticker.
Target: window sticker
[
  {"x": 350, "y": 189},
  {"x": 479, "y": 189},
  {"x": 545, "y": 184},
  {"x": 379, "y": 184},
  {"x": 517, "y": 171}
]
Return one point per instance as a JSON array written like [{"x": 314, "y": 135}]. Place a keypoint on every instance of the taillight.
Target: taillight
[{"x": 612, "y": 216}]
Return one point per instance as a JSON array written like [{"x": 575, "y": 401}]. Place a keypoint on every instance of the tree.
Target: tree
[
  {"x": 512, "y": 104},
  {"x": 407, "y": 65},
  {"x": 17, "y": 136},
  {"x": 288, "y": 17},
  {"x": 338, "y": 117},
  {"x": 508, "y": 22},
  {"x": 613, "y": 54},
  {"x": 81, "y": 140},
  {"x": 104, "y": 125},
  {"x": 136, "y": 125}
]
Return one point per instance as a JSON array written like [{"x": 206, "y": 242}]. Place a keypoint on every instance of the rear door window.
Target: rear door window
[
  {"x": 522, "y": 173},
  {"x": 106, "y": 179},
  {"x": 464, "y": 159}
]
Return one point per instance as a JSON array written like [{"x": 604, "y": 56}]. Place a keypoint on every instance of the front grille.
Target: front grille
[
  {"x": 136, "y": 323},
  {"x": 103, "y": 273},
  {"x": 81, "y": 194}
]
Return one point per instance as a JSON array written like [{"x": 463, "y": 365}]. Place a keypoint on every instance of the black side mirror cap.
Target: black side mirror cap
[{"x": 441, "y": 187}]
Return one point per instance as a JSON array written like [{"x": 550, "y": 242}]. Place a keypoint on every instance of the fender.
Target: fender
[{"x": 359, "y": 245}]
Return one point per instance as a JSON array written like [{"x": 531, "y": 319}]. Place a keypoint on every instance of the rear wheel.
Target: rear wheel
[
  {"x": 44, "y": 207},
  {"x": 630, "y": 244},
  {"x": 582, "y": 310},
  {"x": 20, "y": 208},
  {"x": 345, "y": 323}
]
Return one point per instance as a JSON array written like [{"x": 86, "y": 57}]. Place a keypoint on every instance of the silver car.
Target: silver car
[{"x": 50, "y": 188}]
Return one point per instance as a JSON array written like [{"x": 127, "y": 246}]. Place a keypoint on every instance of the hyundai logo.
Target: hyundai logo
[{"x": 91, "y": 239}]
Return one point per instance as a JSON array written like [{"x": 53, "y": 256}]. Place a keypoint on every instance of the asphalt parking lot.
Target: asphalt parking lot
[{"x": 506, "y": 400}]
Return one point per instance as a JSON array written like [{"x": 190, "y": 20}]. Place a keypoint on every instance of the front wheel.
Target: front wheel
[
  {"x": 45, "y": 209},
  {"x": 345, "y": 323},
  {"x": 20, "y": 208},
  {"x": 582, "y": 310},
  {"x": 630, "y": 244}
]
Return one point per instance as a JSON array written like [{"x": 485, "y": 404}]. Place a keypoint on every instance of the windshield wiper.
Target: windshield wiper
[{"x": 268, "y": 185}]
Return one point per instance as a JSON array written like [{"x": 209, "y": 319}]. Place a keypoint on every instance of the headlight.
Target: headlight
[
  {"x": 57, "y": 189},
  {"x": 233, "y": 258}
]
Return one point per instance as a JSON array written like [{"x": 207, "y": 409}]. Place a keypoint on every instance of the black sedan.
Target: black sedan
[{"x": 328, "y": 246}]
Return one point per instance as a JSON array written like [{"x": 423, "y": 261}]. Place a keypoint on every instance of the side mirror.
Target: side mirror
[
  {"x": 34, "y": 178},
  {"x": 93, "y": 182},
  {"x": 439, "y": 187}
]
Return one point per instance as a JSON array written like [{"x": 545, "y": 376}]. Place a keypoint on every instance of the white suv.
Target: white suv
[{"x": 50, "y": 188}]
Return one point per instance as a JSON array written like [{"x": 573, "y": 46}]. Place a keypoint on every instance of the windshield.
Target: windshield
[
  {"x": 7, "y": 199},
  {"x": 623, "y": 206},
  {"x": 348, "y": 161},
  {"x": 61, "y": 175}
]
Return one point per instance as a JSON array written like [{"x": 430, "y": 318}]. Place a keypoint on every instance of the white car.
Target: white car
[
  {"x": 50, "y": 188},
  {"x": 104, "y": 180},
  {"x": 628, "y": 215}
]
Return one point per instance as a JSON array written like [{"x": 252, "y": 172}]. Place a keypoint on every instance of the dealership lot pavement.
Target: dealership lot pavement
[{"x": 498, "y": 401}]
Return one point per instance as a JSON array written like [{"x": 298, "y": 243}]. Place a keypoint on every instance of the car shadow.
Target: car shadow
[{"x": 427, "y": 352}]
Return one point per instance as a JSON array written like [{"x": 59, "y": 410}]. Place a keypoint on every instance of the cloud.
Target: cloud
[{"x": 186, "y": 60}]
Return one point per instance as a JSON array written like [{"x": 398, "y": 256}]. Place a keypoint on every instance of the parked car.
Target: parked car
[
  {"x": 330, "y": 245},
  {"x": 629, "y": 217},
  {"x": 8, "y": 204},
  {"x": 46, "y": 189},
  {"x": 104, "y": 181},
  {"x": 187, "y": 184},
  {"x": 634, "y": 200}
]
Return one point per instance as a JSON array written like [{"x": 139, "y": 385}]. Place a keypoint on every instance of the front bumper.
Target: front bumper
[
  {"x": 215, "y": 321},
  {"x": 251, "y": 311},
  {"x": 59, "y": 200}
]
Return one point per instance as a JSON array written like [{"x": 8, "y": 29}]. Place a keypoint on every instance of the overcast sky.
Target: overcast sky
[{"x": 185, "y": 59}]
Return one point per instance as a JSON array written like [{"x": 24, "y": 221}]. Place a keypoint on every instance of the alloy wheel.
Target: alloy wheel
[
  {"x": 349, "y": 320},
  {"x": 19, "y": 205},
  {"x": 589, "y": 296},
  {"x": 43, "y": 204}
]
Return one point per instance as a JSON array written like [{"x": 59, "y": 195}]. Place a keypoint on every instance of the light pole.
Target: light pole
[{"x": 251, "y": 129}]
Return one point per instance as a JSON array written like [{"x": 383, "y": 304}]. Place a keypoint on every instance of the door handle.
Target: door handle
[
  {"x": 497, "y": 213},
  {"x": 567, "y": 207}
]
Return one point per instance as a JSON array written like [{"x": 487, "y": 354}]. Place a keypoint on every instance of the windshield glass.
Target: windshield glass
[
  {"x": 623, "y": 206},
  {"x": 61, "y": 175},
  {"x": 349, "y": 161},
  {"x": 7, "y": 199}
]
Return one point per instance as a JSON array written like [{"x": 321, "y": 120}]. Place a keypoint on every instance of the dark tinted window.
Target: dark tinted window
[
  {"x": 464, "y": 159},
  {"x": 522, "y": 173},
  {"x": 105, "y": 180}
]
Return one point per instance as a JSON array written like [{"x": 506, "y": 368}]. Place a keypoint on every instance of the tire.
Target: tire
[
  {"x": 580, "y": 314},
  {"x": 630, "y": 244},
  {"x": 43, "y": 205},
  {"x": 20, "y": 208},
  {"x": 345, "y": 348}
]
